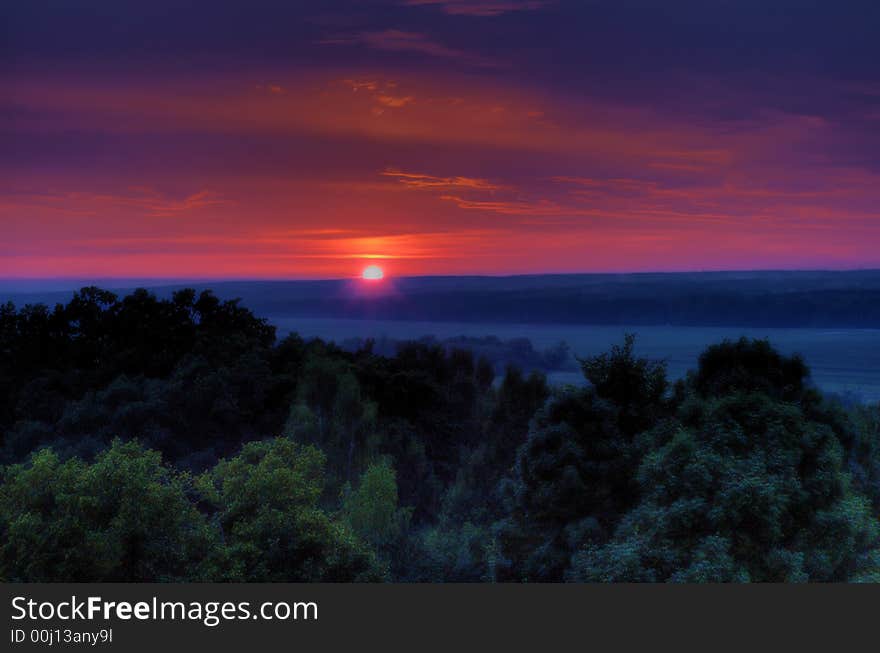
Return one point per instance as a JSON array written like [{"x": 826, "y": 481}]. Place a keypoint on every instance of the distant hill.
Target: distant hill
[{"x": 759, "y": 299}]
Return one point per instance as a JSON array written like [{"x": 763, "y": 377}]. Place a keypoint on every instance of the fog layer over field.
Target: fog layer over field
[{"x": 831, "y": 318}]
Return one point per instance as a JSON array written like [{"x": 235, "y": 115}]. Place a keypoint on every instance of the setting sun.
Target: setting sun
[{"x": 372, "y": 273}]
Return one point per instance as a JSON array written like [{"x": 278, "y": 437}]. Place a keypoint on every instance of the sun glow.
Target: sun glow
[{"x": 372, "y": 273}]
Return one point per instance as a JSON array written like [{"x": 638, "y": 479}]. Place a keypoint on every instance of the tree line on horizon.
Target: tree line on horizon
[{"x": 147, "y": 439}]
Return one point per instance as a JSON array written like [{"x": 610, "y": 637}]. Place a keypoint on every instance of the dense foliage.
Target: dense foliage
[{"x": 147, "y": 439}]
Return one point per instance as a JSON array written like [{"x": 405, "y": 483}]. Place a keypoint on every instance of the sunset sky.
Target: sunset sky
[{"x": 311, "y": 139}]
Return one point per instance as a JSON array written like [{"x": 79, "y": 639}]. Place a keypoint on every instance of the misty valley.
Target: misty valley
[
  {"x": 175, "y": 434},
  {"x": 842, "y": 361}
]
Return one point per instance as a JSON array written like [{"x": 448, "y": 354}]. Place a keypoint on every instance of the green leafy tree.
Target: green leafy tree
[
  {"x": 452, "y": 553},
  {"x": 332, "y": 412},
  {"x": 575, "y": 474},
  {"x": 571, "y": 476},
  {"x": 125, "y": 517},
  {"x": 273, "y": 529},
  {"x": 637, "y": 387},
  {"x": 373, "y": 512},
  {"x": 748, "y": 365},
  {"x": 744, "y": 488}
]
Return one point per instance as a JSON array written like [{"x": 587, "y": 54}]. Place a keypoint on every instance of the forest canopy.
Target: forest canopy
[{"x": 148, "y": 439}]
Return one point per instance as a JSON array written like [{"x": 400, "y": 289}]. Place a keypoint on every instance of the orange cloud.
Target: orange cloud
[
  {"x": 358, "y": 84},
  {"x": 536, "y": 208},
  {"x": 392, "y": 101},
  {"x": 443, "y": 109},
  {"x": 414, "y": 180},
  {"x": 546, "y": 183}
]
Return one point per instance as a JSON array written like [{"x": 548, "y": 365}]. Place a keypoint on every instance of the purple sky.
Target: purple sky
[{"x": 310, "y": 139}]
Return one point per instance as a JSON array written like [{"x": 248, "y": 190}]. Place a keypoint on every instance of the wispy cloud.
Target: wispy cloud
[
  {"x": 382, "y": 93},
  {"x": 514, "y": 207},
  {"x": 394, "y": 101},
  {"x": 480, "y": 7},
  {"x": 362, "y": 84},
  {"x": 135, "y": 201},
  {"x": 416, "y": 180}
]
